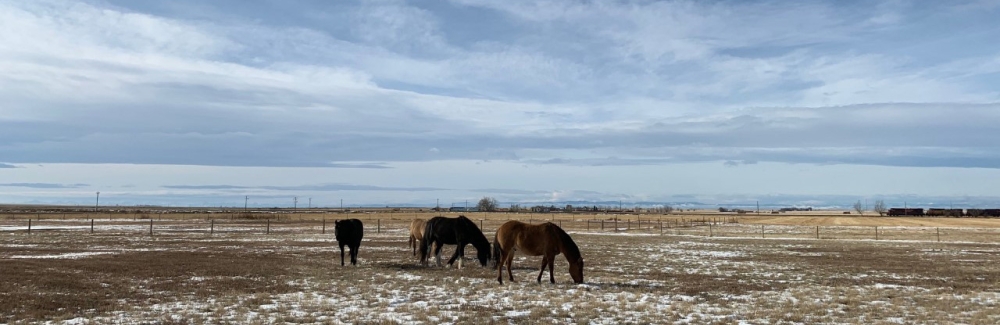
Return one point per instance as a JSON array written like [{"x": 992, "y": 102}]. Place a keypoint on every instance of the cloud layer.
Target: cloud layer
[{"x": 555, "y": 81}]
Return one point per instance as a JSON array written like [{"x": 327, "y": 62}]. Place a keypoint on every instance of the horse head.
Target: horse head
[
  {"x": 483, "y": 255},
  {"x": 576, "y": 270}
]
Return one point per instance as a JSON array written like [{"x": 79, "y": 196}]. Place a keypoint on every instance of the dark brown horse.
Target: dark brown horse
[
  {"x": 461, "y": 231},
  {"x": 546, "y": 240},
  {"x": 349, "y": 232}
]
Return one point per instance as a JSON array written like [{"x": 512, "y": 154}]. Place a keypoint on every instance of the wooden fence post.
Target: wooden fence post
[
  {"x": 876, "y": 232},
  {"x": 268, "y": 231},
  {"x": 939, "y": 234},
  {"x": 616, "y": 223},
  {"x": 761, "y": 231},
  {"x": 324, "y": 226},
  {"x": 29, "y": 225},
  {"x": 602, "y": 224},
  {"x": 817, "y": 232},
  {"x": 211, "y": 227},
  {"x": 92, "y": 226},
  {"x": 378, "y": 225},
  {"x": 150, "y": 226},
  {"x": 710, "y": 230}
]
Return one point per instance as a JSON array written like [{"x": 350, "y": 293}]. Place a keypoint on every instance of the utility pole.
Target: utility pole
[
  {"x": 341, "y": 205},
  {"x": 310, "y": 203},
  {"x": 98, "y": 202},
  {"x": 246, "y": 199},
  {"x": 758, "y": 207}
]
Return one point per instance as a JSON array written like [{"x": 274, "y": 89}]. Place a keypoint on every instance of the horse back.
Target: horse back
[
  {"x": 531, "y": 240},
  {"x": 350, "y": 231},
  {"x": 417, "y": 228}
]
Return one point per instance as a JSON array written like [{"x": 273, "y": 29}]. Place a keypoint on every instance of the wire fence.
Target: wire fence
[{"x": 323, "y": 224}]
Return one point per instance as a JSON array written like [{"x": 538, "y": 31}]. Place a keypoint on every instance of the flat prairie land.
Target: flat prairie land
[{"x": 195, "y": 271}]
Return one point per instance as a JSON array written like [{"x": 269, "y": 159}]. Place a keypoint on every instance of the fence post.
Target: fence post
[
  {"x": 324, "y": 226},
  {"x": 29, "y": 225},
  {"x": 268, "y": 231},
  {"x": 661, "y": 227},
  {"x": 92, "y": 226},
  {"x": 628, "y": 224},
  {"x": 150, "y": 226},
  {"x": 761, "y": 231},
  {"x": 710, "y": 234},
  {"x": 616, "y": 223},
  {"x": 588, "y": 224},
  {"x": 876, "y": 232},
  {"x": 480, "y": 224},
  {"x": 211, "y": 227},
  {"x": 378, "y": 225},
  {"x": 602, "y": 224},
  {"x": 817, "y": 232},
  {"x": 939, "y": 234}
]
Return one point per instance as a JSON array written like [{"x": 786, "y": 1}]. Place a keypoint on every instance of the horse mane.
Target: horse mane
[
  {"x": 566, "y": 243},
  {"x": 478, "y": 239}
]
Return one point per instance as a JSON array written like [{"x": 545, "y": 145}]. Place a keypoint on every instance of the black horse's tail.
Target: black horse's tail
[{"x": 425, "y": 243}]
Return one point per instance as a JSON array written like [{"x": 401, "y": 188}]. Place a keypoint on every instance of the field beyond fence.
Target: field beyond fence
[{"x": 707, "y": 225}]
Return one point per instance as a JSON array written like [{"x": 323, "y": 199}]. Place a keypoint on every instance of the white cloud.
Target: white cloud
[{"x": 583, "y": 84}]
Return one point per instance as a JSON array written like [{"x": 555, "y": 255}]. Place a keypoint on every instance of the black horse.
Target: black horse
[
  {"x": 453, "y": 231},
  {"x": 349, "y": 232}
]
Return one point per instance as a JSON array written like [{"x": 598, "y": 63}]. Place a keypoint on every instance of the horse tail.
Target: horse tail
[
  {"x": 424, "y": 242},
  {"x": 497, "y": 252}
]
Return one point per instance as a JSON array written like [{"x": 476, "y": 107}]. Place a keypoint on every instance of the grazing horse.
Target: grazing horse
[
  {"x": 416, "y": 233},
  {"x": 349, "y": 232},
  {"x": 461, "y": 231},
  {"x": 547, "y": 240}
]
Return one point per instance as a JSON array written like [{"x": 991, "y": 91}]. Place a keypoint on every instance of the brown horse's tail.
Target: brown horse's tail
[{"x": 497, "y": 252}]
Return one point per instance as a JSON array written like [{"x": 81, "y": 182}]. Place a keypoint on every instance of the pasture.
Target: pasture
[{"x": 240, "y": 272}]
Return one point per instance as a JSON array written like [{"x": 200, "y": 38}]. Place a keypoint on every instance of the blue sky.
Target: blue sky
[{"x": 392, "y": 102}]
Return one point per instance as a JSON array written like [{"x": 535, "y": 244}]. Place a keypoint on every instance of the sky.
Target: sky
[{"x": 307, "y": 103}]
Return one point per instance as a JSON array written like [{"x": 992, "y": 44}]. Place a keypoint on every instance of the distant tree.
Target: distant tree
[
  {"x": 487, "y": 204},
  {"x": 515, "y": 208},
  {"x": 859, "y": 208},
  {"x": 569, "y": 208},
  {"x": 880, "y": 208}
]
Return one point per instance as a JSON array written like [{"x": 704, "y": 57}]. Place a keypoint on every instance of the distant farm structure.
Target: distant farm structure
[{"x": 937, "y": 212}]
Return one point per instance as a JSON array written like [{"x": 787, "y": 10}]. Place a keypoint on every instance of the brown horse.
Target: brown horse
[
  {"x": 416, "y": 233},
  {"x": 546, "y": 240}
]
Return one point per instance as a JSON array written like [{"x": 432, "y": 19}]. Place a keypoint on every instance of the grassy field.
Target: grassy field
[{"x": 241, "y": 272}]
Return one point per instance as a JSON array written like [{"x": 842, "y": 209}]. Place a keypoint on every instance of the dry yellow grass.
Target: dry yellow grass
[{"x": 292, "y": 275}]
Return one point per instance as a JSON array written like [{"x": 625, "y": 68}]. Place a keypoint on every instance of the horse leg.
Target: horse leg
[
  {"x": 437, "y": 253},
  {"x": 459, "y": 252},
  {"x": 413, "y": 243},
  {"x": 552, "y": 263},
  {"x": 500, "y": 260},
  {"x": 545, "y": 262},
  {"x": 341, "y": 254},
  {"x": 354, "y": 255},
  {"x": 510, "y": 264}
]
